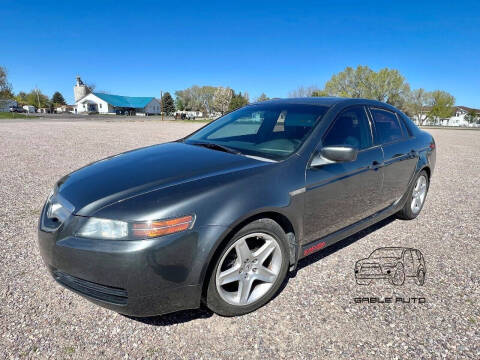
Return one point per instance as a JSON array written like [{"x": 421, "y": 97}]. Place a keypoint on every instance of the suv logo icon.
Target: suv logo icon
[{"x": 393, "y": 264}]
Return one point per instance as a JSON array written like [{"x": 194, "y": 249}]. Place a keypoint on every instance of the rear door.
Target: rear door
[
  {"x": 400, "y": 158},
  {"x": 409, "y": 263},
  {"x": 340, "y": 194}
]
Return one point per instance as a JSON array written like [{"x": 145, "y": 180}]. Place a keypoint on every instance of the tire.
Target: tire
[
  {"x": 244, "y": 279},
  {"x": 417, "y": 193},
  {"x": 398, "y": 277},
  {"x": 420, "y": 278}
]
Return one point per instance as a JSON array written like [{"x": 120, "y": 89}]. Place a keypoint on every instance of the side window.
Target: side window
[
  {"x": 387, "y": 126},
  {"x": 350, "y": 128},
  {"x": 404, "y": 120}
]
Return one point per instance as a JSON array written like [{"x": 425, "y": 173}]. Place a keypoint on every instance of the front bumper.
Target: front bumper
[
  {"x": 374, "y": 272},
  {"x": 137, "y": 278}
]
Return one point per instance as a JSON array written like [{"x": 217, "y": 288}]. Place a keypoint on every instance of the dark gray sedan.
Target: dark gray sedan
[{"x": 220, "y": 216}]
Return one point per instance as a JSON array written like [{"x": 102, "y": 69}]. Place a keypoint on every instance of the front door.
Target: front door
[
  {"x": 340, "y": 194},
  {"x": 399, "y": 154}
]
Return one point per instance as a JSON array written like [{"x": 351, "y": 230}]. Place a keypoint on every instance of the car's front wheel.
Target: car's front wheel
[
  {"x": 249, "y": 270},
  {"x": 398, "y": 277}
]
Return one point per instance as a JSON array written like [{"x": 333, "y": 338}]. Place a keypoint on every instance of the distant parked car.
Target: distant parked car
[
  {"x": 29, "y": 108},
  {"x": 16, "y": 109},
  {"x": 393, "y": 264}
]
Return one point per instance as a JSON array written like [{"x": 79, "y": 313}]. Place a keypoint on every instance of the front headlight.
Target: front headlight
[
  {"x": 104, "y": 229},
  {"x": 95, "y": 228}
]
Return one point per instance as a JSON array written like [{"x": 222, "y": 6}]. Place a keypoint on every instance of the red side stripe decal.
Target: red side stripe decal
[{"x": 314, "y": 248}]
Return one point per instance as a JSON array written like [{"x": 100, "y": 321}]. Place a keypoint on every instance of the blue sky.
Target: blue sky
[{"x": 138, "y": 48}]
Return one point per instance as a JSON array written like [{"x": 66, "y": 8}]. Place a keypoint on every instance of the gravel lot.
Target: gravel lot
[{"x": 315, "y": 316}]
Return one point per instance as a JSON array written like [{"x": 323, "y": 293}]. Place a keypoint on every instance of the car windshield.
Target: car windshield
[
  {"x": 272, "y": 131},
  {"x": 386, "y": 253}
]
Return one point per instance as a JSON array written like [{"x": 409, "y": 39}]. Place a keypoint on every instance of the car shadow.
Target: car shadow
[
  {"x": 203, "y": 313},
  {"x": 178, "y": 317}
]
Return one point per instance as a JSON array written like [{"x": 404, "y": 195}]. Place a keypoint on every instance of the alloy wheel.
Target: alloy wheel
[
  {"x": 248, "y": 269},
  {"x": 418, "y": 194}
]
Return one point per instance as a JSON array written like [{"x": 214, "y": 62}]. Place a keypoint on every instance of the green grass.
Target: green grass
[{"x": 8, "y": 115}]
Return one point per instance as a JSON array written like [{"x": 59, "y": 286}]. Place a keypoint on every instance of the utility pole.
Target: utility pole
[
  {"x": 161, "y": 103},
  {"x": 38, "y": 98}
]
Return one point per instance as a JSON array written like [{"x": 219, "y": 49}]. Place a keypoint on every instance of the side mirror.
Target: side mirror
[{"x": 334, "y": 154}]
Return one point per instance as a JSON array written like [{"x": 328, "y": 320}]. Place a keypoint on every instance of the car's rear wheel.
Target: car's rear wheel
[
  {"x": 249, "y": 270},
  {"x": 416, "y": 198},
  {"x": 420, "y": 278}
]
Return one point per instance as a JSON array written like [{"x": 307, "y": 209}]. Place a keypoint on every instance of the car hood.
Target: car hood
[{"x": 147, "y": 169}]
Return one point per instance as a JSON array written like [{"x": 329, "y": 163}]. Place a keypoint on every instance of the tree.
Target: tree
[
  {"x": 441, "y": 105},
  {"x": 37, "y": 99},
  {"x": 168, "y": 106},
  {"x": 91, "y": 87},
  {"x": 238, "y": 101},
  {"x": 303, "y": 91},
  {"x": 21, "y": 98},
  {"x": 58, "y": 99},
  {"x": 262, "y": 97},
  {"x": 196, "y": 98},
  {"x": 355, "y": 83},
  {"x": 179, "y": 104},
  {"x": 5, "y": 86},
  {"x": 471, "y": 116},
  {"x": 390, "y": 86},
  {"x": 221, "y": 99},
  {"x": 206, "y": 95},
  {"x": 417, "y": 103},
  {"x": 386, "y": 85},
  {"x": 319, "y": 93}
]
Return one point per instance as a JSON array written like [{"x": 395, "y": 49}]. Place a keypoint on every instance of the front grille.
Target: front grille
[
  {"x": 101, "y": 292},
  {"x": 370, "y": 269}
]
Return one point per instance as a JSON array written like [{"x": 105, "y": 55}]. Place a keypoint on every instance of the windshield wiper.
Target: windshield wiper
[{"x": 214, "y": 146}]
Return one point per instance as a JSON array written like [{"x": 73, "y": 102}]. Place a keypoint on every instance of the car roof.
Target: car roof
[{"x": 325, "y": 101}]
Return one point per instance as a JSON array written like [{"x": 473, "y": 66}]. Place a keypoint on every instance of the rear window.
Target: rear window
[{"x": 387, "y": 127}]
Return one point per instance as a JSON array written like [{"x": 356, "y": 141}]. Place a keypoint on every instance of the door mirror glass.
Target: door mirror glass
[{"x": 334, "y": 154}]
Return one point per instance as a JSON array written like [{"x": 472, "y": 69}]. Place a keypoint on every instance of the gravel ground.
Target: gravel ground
[{"x": 315, "y": 316}]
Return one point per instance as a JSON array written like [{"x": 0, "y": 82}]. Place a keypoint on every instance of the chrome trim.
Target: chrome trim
[
  {"x": 297, "y": 192},
  {"x": 59, "y": 208}
]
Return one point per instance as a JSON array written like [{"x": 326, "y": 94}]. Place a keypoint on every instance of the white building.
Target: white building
[
  {"x": 93, "y": 102},
  {"x": 6, "y": 104},
  {"x": 65, "y": 109},
  {"x": 117, "y": 104},
  {"x": 457, "y": 119}
]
